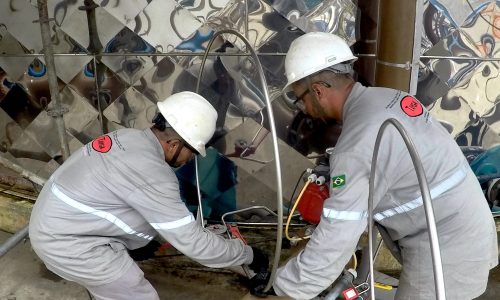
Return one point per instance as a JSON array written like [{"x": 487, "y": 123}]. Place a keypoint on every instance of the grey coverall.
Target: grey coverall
[
  {"x": 466, "y": 230},
  {"x": 116, "y": 193}
]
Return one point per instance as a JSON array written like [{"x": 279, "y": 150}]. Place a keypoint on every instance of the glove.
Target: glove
[
  {"x": 258, "y": 283},
  {"x": 145, "y": 252},
  {"x": 260, "y": 262}
]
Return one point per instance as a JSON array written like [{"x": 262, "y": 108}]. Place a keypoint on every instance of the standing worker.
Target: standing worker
[
  {"x": 319, "y": 73},
  {"x": 117, "y": 192}
]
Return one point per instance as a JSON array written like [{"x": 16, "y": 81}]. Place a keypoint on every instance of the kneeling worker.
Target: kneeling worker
[{"x": 118, "y": 192}]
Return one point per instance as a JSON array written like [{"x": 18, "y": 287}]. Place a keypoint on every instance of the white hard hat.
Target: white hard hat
[
  {"x": 191, "y": 116},
  {"x": 313, "y": 52}
]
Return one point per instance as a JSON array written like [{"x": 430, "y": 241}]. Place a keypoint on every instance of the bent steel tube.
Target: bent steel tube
[
  {"x": 426, "y": 196},
  {"x": 279, "y": 192}
]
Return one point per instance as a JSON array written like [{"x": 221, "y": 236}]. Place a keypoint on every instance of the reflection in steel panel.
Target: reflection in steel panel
[
  {"x": 132, "y": 110},
  {"x": 453, "y": 113},
  {"x": 111, "y": 88},
  {"x": 13, "y": 66},
  {"x": 68, "y": 66},
  {"x": 132, "y": 84},
  {"x": 164, "y": 24},
  {"x": 129, "y": 68}
]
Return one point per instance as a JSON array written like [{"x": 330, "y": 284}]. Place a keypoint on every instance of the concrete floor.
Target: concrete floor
[{"x": 24, "y": 277}]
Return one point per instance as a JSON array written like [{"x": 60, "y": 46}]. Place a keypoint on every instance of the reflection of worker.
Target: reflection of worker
[
  {"x": 318, "y": 67},
  {"x": 117, "y": 193}
]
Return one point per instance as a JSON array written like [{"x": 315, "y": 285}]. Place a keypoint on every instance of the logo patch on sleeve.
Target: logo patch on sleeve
[
  {"x": 338, "y": 181},
  {"x": 411, "y": 106},
  {"x": 102, "y": 144}
]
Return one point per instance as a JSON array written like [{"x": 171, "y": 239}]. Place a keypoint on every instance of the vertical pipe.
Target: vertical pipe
[
  {"x": 272, "y": 129},
  {"x": 52, "y": 78},
  {"x": 396, "y": 44}
]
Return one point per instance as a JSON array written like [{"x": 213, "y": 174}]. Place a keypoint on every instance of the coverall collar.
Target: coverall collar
[
  {"x": 355, "y": 93},
  {"x": 155, "y": 142}
]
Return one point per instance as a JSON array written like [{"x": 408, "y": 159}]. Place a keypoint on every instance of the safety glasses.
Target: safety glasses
[{"x": 298, "y": 101}]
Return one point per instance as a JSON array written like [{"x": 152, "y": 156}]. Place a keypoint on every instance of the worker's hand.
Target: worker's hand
[
  {"x": 260, "y": 262},
  {"x": 258, "y": 284},
  {"x": 145, "y": 252}
]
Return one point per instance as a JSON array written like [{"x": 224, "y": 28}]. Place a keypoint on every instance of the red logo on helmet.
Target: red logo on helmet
[
  {"x": 411, "y": 106},
  {"x": 102, "y": 144}
]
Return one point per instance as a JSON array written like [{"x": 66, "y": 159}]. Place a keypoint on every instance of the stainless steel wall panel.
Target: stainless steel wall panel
[
  {"x": 10, "y": 131},
  {"x": 334, "y": 16},
  {"x": 41, "y": 130},
  {"x": 129, "y": 68},
  {"x": 123, "y": 11},
  {"x": 449, "y": 70},
  {"x": 27, "y": 98},
  {"x": 112, "y": 86},
  {"x": 75, "y": 25},
  {"x": 430, "y": 86},
  {"x": 454, "y": 113},
  {"x": 163, "y": 79},
  {"x": 13, "y": 66},
  {"x": 17, "y": 17},
  {"x": 164, "y": 24},
  {"x": 203, "y": 10},
  {"x": 482, "y": 90},
  {"x": 24, "y": 147},
  {"x": 80, "y": 112},
  {"x": 478, "y": 134},
  {"x": 261, "y": 25},
  {"x": 458, "y": 11},
  {"x": 132, "y": 110},
  {"x": 67, "y": 66},
  {"x": 483, "y": 29},
  {"x": 437, "y": 25},
  {"x": 60, "y": 10}
]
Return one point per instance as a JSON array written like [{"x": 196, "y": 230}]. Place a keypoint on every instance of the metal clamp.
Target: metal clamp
[
  {"x": 407, "y": 65},
  {"x": 57, "y": 112}
]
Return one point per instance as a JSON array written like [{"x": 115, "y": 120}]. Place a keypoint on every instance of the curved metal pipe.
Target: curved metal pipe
[
  {"x": 279, "y": 192},
  {"x": 426, "y": 196}
]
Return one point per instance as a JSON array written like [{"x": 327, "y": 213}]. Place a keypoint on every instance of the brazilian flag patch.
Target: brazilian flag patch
[{"x": 338, "y": 181}]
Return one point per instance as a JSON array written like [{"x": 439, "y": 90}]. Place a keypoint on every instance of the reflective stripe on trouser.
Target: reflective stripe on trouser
[
  {"x": 131, "y": 285},
  {"x": 436, "y": 191}
]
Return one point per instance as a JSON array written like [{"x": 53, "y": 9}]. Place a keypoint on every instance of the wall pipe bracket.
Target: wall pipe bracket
[{"x": 279, "y": 190}]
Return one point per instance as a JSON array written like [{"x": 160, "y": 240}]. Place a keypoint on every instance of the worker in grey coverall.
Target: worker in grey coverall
[
  {"x": 117, "y": 192},
  {"x": 318, "y": 68}
]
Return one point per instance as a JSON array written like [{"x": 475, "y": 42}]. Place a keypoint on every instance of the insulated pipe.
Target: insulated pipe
[
  {"x": 398, "y": 44},
  {"x": 58, "y": 110},
  {"x": 23, "y": 172},
  {"x": 13, "y": 240},
  {"x": 21, "y": 234},
  {"x": 426, "y": 196},
  {"x": 279, "y": 192}
]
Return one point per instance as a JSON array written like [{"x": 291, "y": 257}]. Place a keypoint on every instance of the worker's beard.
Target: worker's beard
[{"x": 318, "y": 112}]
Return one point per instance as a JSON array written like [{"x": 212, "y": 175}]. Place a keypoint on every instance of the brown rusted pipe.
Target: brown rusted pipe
[{"x": 395, "y": 43}]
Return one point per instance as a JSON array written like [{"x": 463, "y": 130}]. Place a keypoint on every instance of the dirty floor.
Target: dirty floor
[{"x": 24, "y": 277}]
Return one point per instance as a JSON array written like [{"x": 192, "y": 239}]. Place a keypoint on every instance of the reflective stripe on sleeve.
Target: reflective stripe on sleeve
[
  {"x": 102, "y": 214},
  {"x": 174, "y": 224},
  {"x": 344, "y": 214},
  {"x": 444, "y": 186}
]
